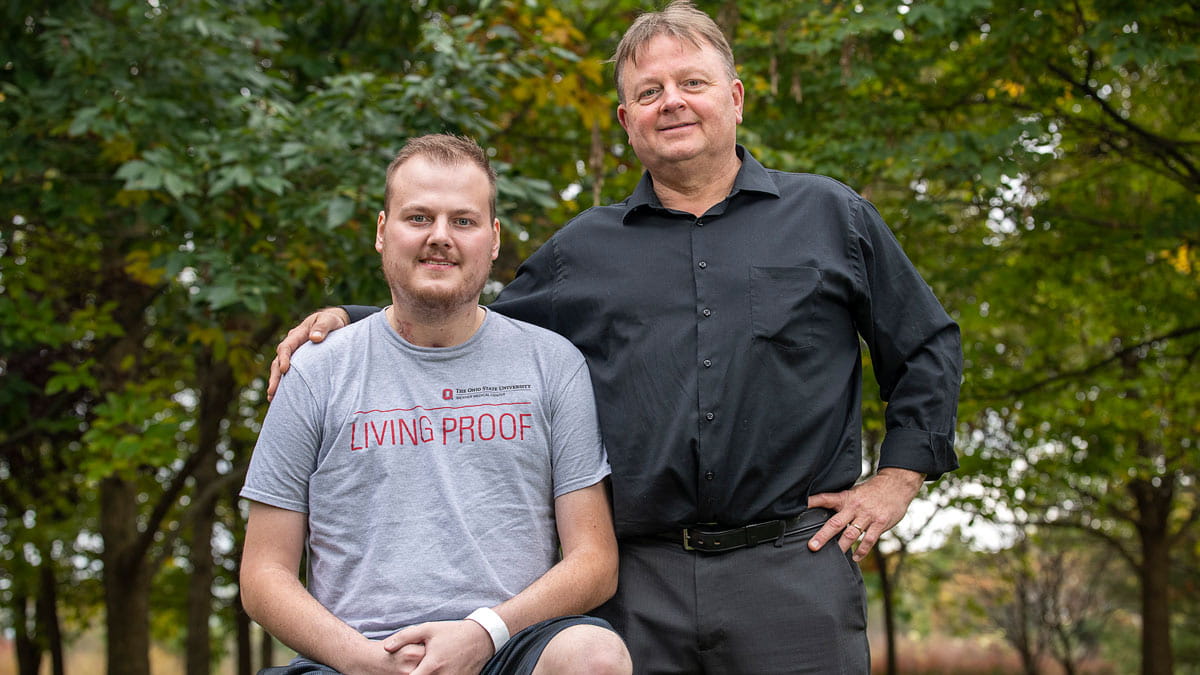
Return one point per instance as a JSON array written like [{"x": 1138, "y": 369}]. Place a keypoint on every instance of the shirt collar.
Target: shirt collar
[{"x": 752, "y": 177}]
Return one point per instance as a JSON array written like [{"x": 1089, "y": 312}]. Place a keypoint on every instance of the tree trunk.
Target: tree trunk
[
  {"x": 199, "y": 601},
  {"x": 241, "y": 620},
  {"x": 217, "y": 391},
  {"x": 889, "y": 609},
  {"x": 1023, "y": 641},
  {"x": 1154, "y": 507},
  {"x": 49, "y": 631},
  {"x": 267, "y": 650},
  {"x": 126, "y": 580},
  {"x": 29, "y": 654},
  {"x": 241, "y": 623}
]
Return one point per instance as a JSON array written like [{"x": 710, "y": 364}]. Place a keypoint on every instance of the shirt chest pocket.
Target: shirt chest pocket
[{"x": 783, "y": 304}]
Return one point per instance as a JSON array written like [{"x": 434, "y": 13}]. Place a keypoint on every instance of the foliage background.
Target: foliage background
[{"x": 180, "y": 182}]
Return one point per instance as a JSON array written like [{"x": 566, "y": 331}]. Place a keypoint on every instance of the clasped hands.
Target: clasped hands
[{"x": 442, "y": 647}]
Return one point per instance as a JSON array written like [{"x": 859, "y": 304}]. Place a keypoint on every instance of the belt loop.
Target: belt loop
[{"x": 782, "y": 533}]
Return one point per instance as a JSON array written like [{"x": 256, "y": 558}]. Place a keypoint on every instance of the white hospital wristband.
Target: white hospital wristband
[{"x": 493, "y": 624}]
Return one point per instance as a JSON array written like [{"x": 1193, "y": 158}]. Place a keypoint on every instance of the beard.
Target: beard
[{"x": 436, "y": 300}]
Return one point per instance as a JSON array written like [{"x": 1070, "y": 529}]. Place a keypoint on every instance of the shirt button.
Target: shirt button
[
  {"x": 703, "y": 265},
  {"x": 709, "y": 416},
  {"x": 707, "y": 312},
  {"x": 709, "y": 476},
  {"x": 699, "y": 223},
  {"x": 708, "y": 363}
]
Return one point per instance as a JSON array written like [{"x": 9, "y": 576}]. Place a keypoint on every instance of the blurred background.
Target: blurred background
[{"x": 181, "y": 181}]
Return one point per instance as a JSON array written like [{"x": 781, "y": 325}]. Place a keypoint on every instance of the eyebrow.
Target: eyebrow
[
  {"x": 417, "y": 206},
  {"x": 691, "y": 72}
]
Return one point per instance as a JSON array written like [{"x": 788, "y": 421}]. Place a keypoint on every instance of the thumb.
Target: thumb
[
  {"x": 827, "y": 500},
  {"x": 406, "y": 636},
  {"x": 326, "y": 321}
]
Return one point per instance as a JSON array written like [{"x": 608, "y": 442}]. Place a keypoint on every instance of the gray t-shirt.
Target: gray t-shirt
[{"x": 428, "y": 474}]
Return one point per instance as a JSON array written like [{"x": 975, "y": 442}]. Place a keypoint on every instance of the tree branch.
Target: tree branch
[
  {"x": 1116, "y": 544},
  {"x": 1161, "y": 146},
  {"x": 1089, "y": 369}
]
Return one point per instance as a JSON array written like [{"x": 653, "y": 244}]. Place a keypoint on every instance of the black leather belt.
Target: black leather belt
[{"x": 715, "y": 539}]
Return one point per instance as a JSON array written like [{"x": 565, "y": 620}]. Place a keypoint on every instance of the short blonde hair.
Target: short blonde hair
[
  {"x": 680, "y": 20},
  {"x": 447, "y": 150}
]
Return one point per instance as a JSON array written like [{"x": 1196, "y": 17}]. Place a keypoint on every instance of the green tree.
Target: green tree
[
  {"x": 1039, "y": 165},
  {"x": 180, "y": 181},
  {"x": 176, "y": 181}
]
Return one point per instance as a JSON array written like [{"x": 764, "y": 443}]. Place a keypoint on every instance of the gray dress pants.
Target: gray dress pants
[{"x": 760, "y": 610}]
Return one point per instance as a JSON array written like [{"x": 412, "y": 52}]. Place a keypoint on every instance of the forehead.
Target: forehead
[
  {"x": 423, "y": 182},
  {"x": 666, "y": 54}
]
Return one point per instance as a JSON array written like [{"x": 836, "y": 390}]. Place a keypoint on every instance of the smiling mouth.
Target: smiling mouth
[
  {"x": 678, "y": 126},
  {"x": 437, "y": 263}
]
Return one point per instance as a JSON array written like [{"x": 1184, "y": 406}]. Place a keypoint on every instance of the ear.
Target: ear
[
  {"x": 739, "y": 98},
  {"x": 621, "y": 117},
  {"x": 495, "y": 239},
  {"x": 380, "y": 223}
]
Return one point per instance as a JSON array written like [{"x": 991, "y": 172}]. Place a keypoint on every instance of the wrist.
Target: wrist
[
  {"x": 911, "y": 479},
  {"x": 491, "y": 622}
]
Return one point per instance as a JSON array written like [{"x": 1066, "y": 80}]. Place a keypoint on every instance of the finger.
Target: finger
[
  {"x": 831, "y": 529},
  {"x": 850, "y": 534},
  {"x": 867, "y": 543},
  {"x": 835, "y": 501},
  {"x": 411, "y": 653},
  {"x": 290, "y": 343},
  {"x": 279, "y": 365},
  {"x": 273, "y": 382},
  {"x": 828, "y": 500},
  {"x": 326, "y": 321},
  {"x": 413, "y": 635},
  {"x": 294, "y": 339}
]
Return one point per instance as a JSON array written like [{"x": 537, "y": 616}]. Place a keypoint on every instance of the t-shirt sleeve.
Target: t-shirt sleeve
[
  {"x": 285, "y": 455},
  {"x": 577, "y": 451}
]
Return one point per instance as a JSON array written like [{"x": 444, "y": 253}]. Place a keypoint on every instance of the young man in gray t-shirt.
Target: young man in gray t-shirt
[{"x": 432, "y": 461}]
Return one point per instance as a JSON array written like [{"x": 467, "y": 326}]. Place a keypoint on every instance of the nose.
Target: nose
[
  {"x": 439, "y": 234},
  {"x": 672, "y": 98}
]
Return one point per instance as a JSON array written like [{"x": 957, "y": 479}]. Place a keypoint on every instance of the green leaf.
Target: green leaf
[{"x": 338, "y": 211}]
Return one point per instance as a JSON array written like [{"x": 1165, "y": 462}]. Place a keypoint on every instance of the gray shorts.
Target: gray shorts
[{"x": 518, "y": 656}]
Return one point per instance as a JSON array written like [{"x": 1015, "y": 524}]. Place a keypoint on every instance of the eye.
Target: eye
[
  {"x": 694, "y": 84},
  {"x": 648, "y": 94},
  {"x": 463, "y": 222},
  {"x": 419, "y": 218}
]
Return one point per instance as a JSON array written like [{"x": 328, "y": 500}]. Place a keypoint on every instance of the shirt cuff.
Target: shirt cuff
[
  {"x": 926, "y": 452},
  {"x": 359, "y": 312}
]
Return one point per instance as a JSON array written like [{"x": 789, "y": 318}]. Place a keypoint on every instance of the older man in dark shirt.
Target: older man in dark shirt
[{"x": 720, "y": 308}]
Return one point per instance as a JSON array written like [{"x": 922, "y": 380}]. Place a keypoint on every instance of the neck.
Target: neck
[
  {"x": 694, "y": 189},
  {"x": 435, "y": 327}
]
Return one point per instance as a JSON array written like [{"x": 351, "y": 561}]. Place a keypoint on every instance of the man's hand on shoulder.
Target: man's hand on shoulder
[
  {"x": 450, "y": 647},
  {"x": 314, "y": 328},
  {"x": 866, "y": 510}
]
